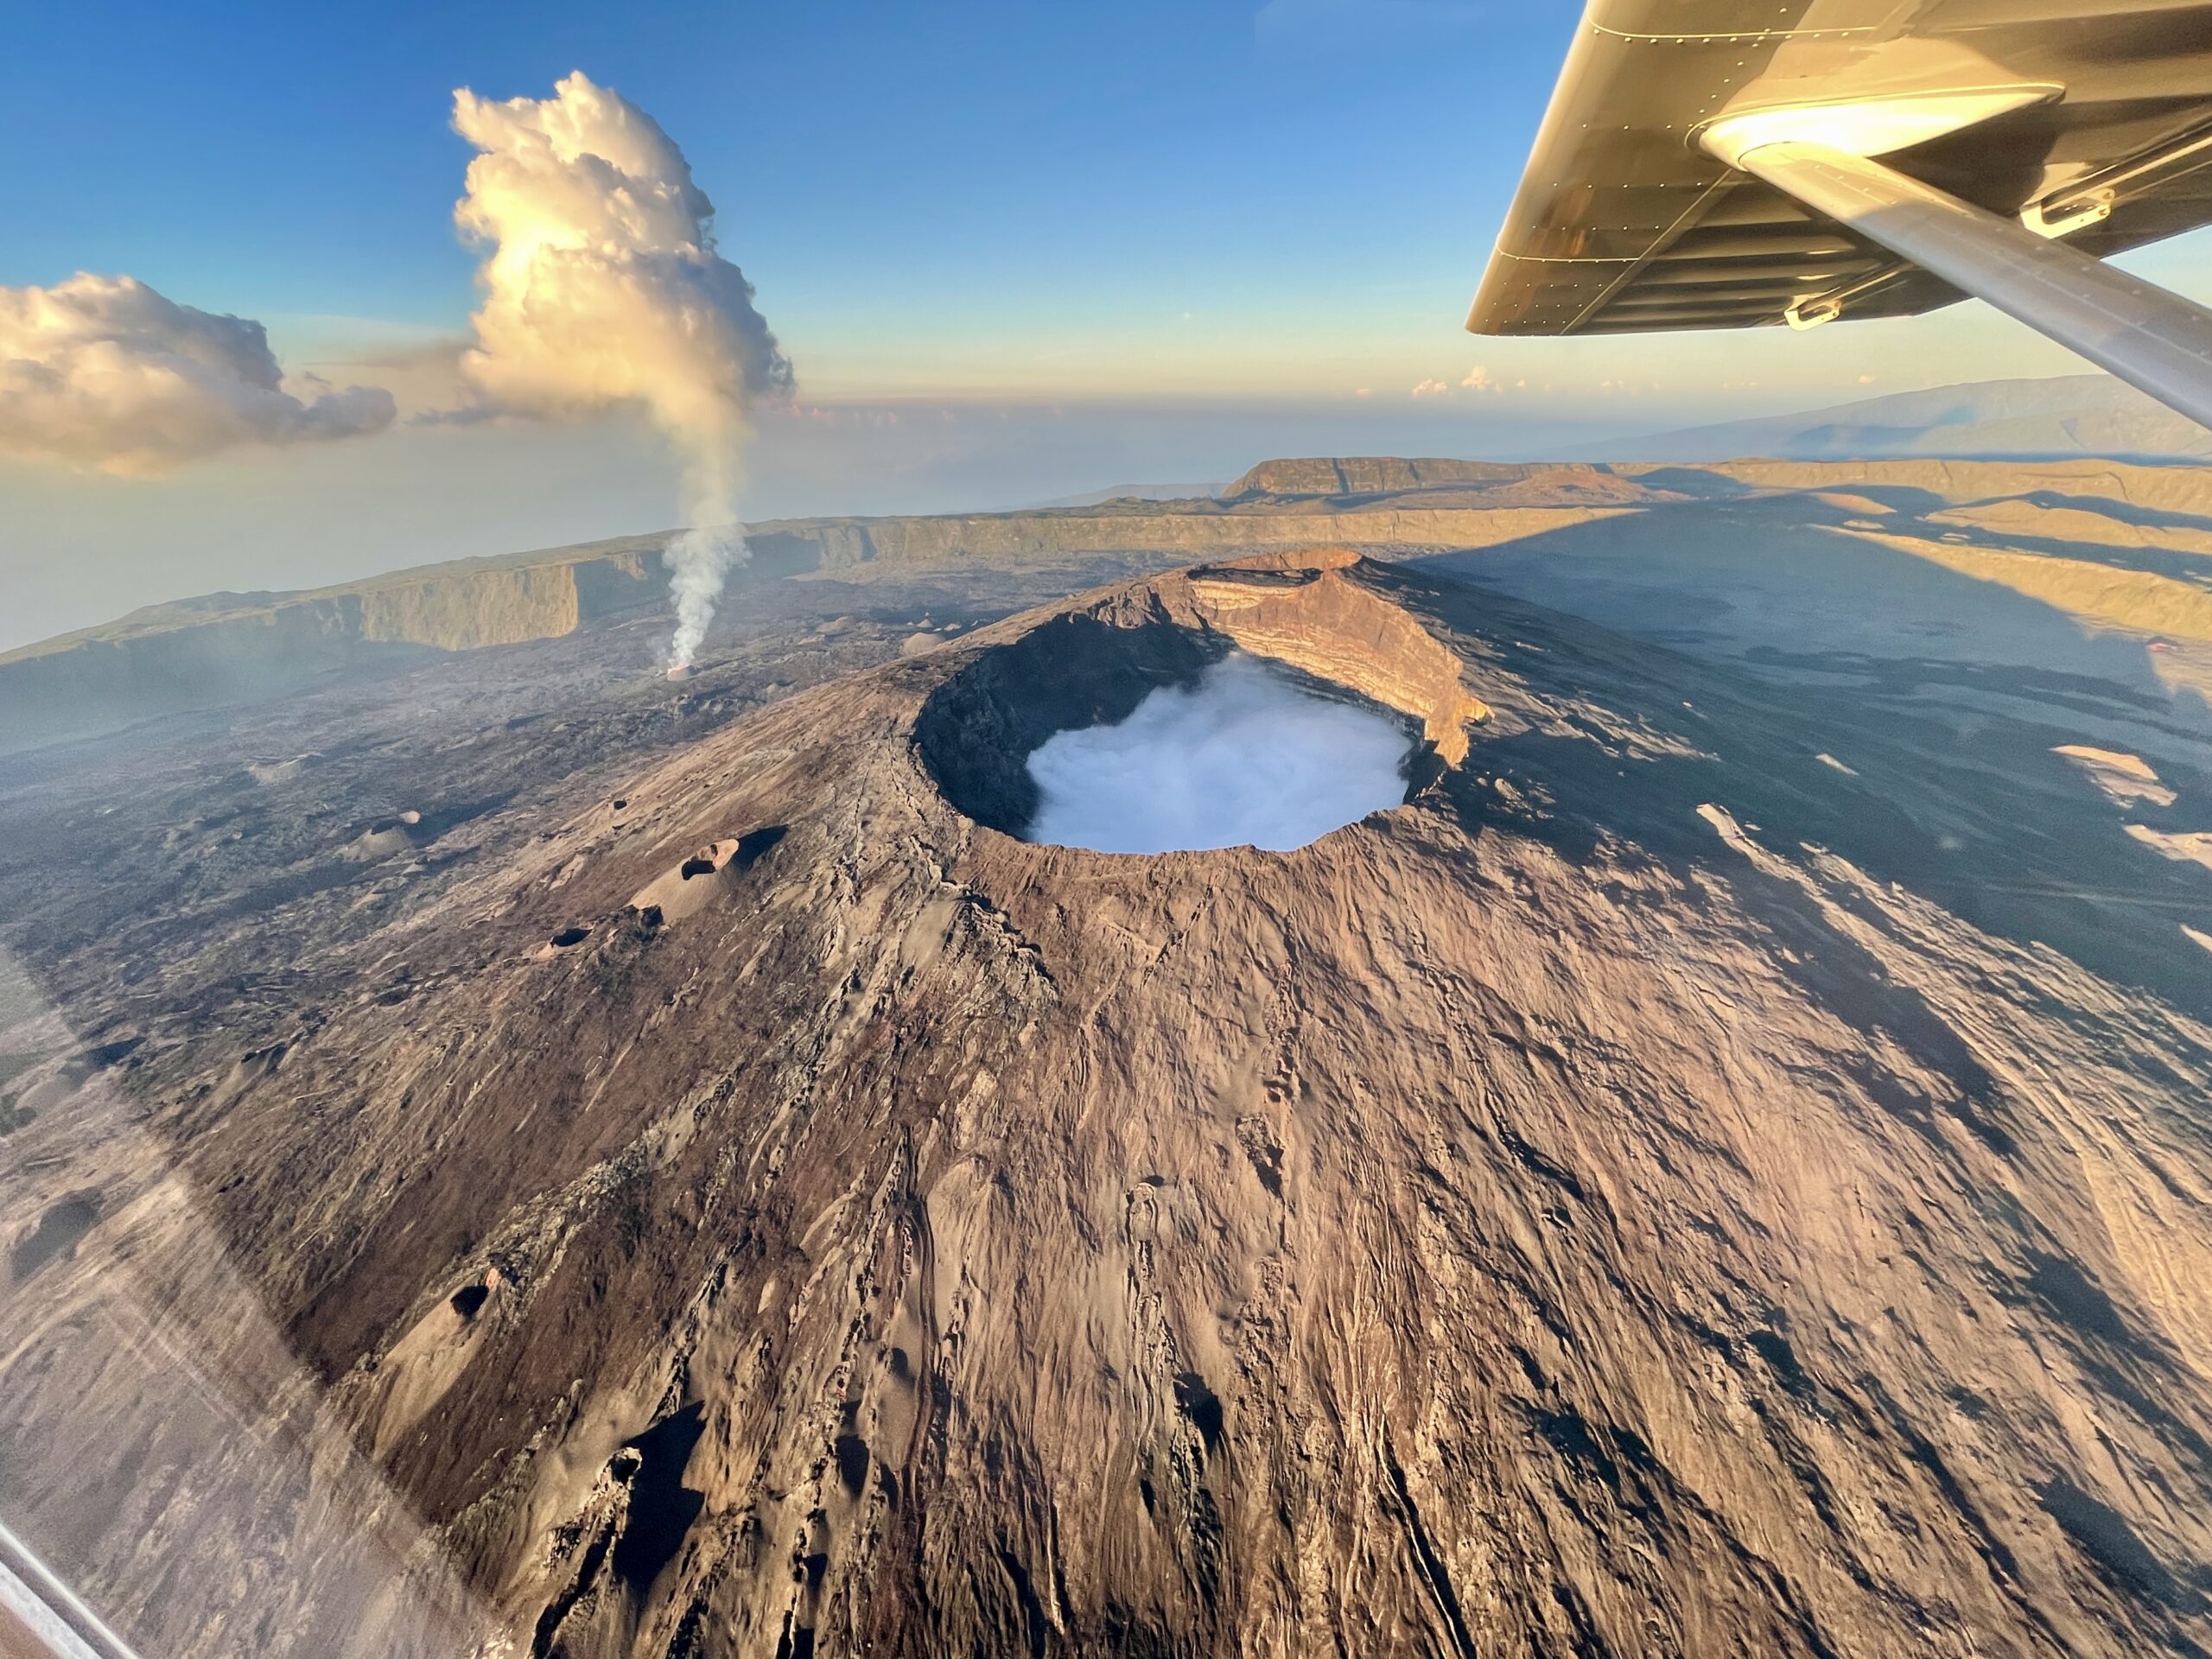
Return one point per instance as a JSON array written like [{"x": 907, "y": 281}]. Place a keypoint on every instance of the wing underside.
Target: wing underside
[{"x": 1626, "y": 223}]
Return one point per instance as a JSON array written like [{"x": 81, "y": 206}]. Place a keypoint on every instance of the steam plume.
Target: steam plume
[
  {"x": 1246, "y": 756},
  {"x": 102, "y": 371},
  {"x": 603, "y": 287}
]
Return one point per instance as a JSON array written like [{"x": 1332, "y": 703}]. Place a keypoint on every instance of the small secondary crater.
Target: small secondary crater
[
  {"x": 58, "y": 1233},
  {"x": 692, "y": 885}
]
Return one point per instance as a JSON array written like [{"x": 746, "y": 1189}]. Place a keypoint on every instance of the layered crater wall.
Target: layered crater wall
[
  {"x": 1297, "y": 608},
  {"x": 234, "y": 648}
]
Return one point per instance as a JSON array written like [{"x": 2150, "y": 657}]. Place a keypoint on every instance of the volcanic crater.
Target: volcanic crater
[{"x": 1095, "y": 665}]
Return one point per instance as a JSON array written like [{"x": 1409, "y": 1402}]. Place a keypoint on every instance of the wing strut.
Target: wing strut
[{"x": 2150, "y": 339}]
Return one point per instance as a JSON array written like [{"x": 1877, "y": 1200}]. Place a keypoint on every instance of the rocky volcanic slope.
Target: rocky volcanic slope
[{"x": 1605, "y": 1206}]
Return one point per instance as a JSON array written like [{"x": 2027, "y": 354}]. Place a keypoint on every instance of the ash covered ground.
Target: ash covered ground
[{"x": 509, "y": 1154}]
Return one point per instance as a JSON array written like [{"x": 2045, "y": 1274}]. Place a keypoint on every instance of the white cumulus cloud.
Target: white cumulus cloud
[
  {"x": 603, "y": 287},
  {"x": 104, "y": 373}
]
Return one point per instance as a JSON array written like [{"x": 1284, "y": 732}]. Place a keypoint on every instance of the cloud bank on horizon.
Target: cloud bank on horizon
[
  {"x": 103, "y": 372},
  {"x": 603, "y": 287}
]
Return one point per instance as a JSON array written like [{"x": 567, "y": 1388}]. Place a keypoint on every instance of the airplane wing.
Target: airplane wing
[{"x": 2088, "y": 122}]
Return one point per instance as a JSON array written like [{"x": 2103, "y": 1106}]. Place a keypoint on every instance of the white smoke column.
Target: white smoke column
[{"x": 603, "y": 287}]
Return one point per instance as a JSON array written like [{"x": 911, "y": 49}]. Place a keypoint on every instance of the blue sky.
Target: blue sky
[
  {"x": 929, "y": 198},
  {"x": 1014, "y": 250}
]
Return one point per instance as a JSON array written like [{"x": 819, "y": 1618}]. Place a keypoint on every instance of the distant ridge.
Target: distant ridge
[
  {"x": 217, "y": 649},
  {"x": 2070, "y": 415},
  {"x": 1372, "y": 475},
  {"x": 1202, "y": 492}
]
